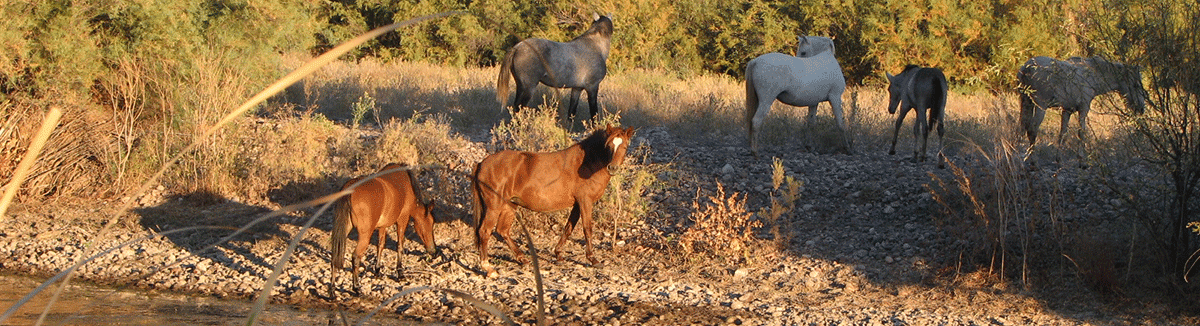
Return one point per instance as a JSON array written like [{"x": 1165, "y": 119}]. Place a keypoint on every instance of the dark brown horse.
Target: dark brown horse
[
  {"x": 573, "y": 178},
  {"x": 387, "y": 200}
]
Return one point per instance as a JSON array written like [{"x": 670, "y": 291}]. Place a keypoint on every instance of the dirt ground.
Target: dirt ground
[{"x": 866, "y": 244}]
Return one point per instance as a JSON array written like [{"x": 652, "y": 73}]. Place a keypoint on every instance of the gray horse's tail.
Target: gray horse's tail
[
  {"x": 751, "y": 98},
  {"x": 505, "y": 75}
]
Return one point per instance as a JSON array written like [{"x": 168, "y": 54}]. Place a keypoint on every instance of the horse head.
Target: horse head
[
  {"x": 601, "y": 25},
  {"x": 810, "y": 46},
  {"x": 618, "y": 142},
  {"x": 1133, "y": 91},
  {"x": 1126, "y": 79},
  {"x": 899, "y": 86}
]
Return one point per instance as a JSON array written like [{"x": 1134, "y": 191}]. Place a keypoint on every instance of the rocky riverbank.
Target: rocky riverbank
[{"x": 863, "y": 247}]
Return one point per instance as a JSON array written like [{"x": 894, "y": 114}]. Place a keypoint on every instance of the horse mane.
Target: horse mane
[
  {"x": 412, "y": 181},
  {"x": 602, "y": 26},
  {"x": 596, "y": 155}
]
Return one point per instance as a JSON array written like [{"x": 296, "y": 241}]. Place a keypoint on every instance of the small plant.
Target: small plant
[
  {"x": 359, "y": 110},
  {"x": 722, "y": 227},
  {"x": 535, "y": 130},
  {"x": 786, "y": 191}
]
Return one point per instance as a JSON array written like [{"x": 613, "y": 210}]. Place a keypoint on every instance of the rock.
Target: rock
[
  {"x": 727, "y": 170},
  {"x": 740, "y": 273}
]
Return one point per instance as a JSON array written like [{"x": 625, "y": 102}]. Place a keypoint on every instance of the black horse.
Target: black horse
[
  {"x": 579, "y": 65},
  {"x": 918, "y": 88}
]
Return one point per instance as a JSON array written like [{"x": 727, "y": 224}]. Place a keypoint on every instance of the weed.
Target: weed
[
  {"x": 365, "y": 104},
  {"x": 722, "y": 227},
  {"x": 785, "y": 192}
]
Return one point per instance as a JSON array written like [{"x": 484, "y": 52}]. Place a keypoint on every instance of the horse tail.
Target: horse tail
[
  {"x": 751, "y": 97},
  {"x": 341, "y": 229},
  {"x": 477, "y": 210},
  {"x": 943, "y": 88},
  {"x": 505, "y": 75}
]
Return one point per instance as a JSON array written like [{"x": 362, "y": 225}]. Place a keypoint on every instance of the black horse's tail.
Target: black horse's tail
[
  {"x": 943, "y": 87},
  {"x": 505, "y": 75},
  {"x": 478, "y": 210}
]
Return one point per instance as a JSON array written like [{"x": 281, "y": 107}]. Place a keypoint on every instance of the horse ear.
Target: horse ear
[
  {"x": 803, "y": 40},
  {"x": 595, "y": 16}
]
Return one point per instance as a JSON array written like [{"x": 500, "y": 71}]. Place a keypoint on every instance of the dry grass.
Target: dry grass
[{"x": 421, "y": 113}]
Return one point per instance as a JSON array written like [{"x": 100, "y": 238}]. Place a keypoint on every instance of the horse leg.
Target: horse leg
[
  {"x": 507, "y": 218},
  {"x": 524, "y": 94},
  {"x": 1031, "y": 121},
  {"x": 920, "y": 128},
  {"x": 1066, "y": 116},
  {"x": 756, "y": 124},
  {"x": 585, "y": 212},
  {"x": 572, "y": 219},
  {"x": 1062, "y": 132},
  {"x": 482, "y": 235},
  {"x": 808, "y": 126},
  {"x": 940, "y": 119},
  {"x": 593, "y": 100},
  {"x": 896, "y": 131},
  {"x": 575, "y": 92},
  {"x": 835, "y": 101},
  {"x": 379, "y": 248},
  {"x": 401, "y": 227},
  {"x": 364, "y": 241},
  {"x": 1084, "y": 133}
]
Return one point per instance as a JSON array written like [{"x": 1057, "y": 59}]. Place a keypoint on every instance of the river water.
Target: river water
[{"x": 86, "y": 304}]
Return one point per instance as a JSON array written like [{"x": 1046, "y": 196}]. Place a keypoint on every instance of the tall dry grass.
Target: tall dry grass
[{"x": 422, "y": 113}]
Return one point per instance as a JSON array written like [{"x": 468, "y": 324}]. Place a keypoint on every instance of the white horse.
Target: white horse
[
  {"x": 811, "y": 77},
  {"x": 1071, "y": 85}
]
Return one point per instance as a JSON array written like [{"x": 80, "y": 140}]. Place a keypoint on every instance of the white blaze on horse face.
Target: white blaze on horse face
[{"x": 617, "y": 143}]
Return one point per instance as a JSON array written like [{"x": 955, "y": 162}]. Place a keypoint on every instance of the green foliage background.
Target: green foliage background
[
  {"x": 978, "y": 43},
  {"x": 64, "y": 46},
  {"x": 157, "y": 71}
]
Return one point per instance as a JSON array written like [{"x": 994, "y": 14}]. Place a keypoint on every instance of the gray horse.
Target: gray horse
[
  {"x": 917, "y": 88},
  {"x": 1071, "y": 85},
  {"x": 578, "y": 65}
]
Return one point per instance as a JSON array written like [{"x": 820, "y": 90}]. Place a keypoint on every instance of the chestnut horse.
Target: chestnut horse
[
  {"x": 383, "y": 201},
  {"x": 573, "y": 178}
]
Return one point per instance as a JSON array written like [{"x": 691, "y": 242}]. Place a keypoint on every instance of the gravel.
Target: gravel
[{"x": 863, "y": 251}]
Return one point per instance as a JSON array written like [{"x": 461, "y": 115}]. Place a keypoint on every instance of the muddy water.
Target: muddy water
[{"x": 85, "y": 304}]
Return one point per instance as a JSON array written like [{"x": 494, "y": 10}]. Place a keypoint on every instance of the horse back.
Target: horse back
[
  {"x": 1056, "y": 82},
  {"x": 796, "y": 81},
  {"x": 537, "y": 181},
  {"x": 372, "y": 202},
  {"x": 936, "y": 88},
  {"x": 576, "y": 64}
]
